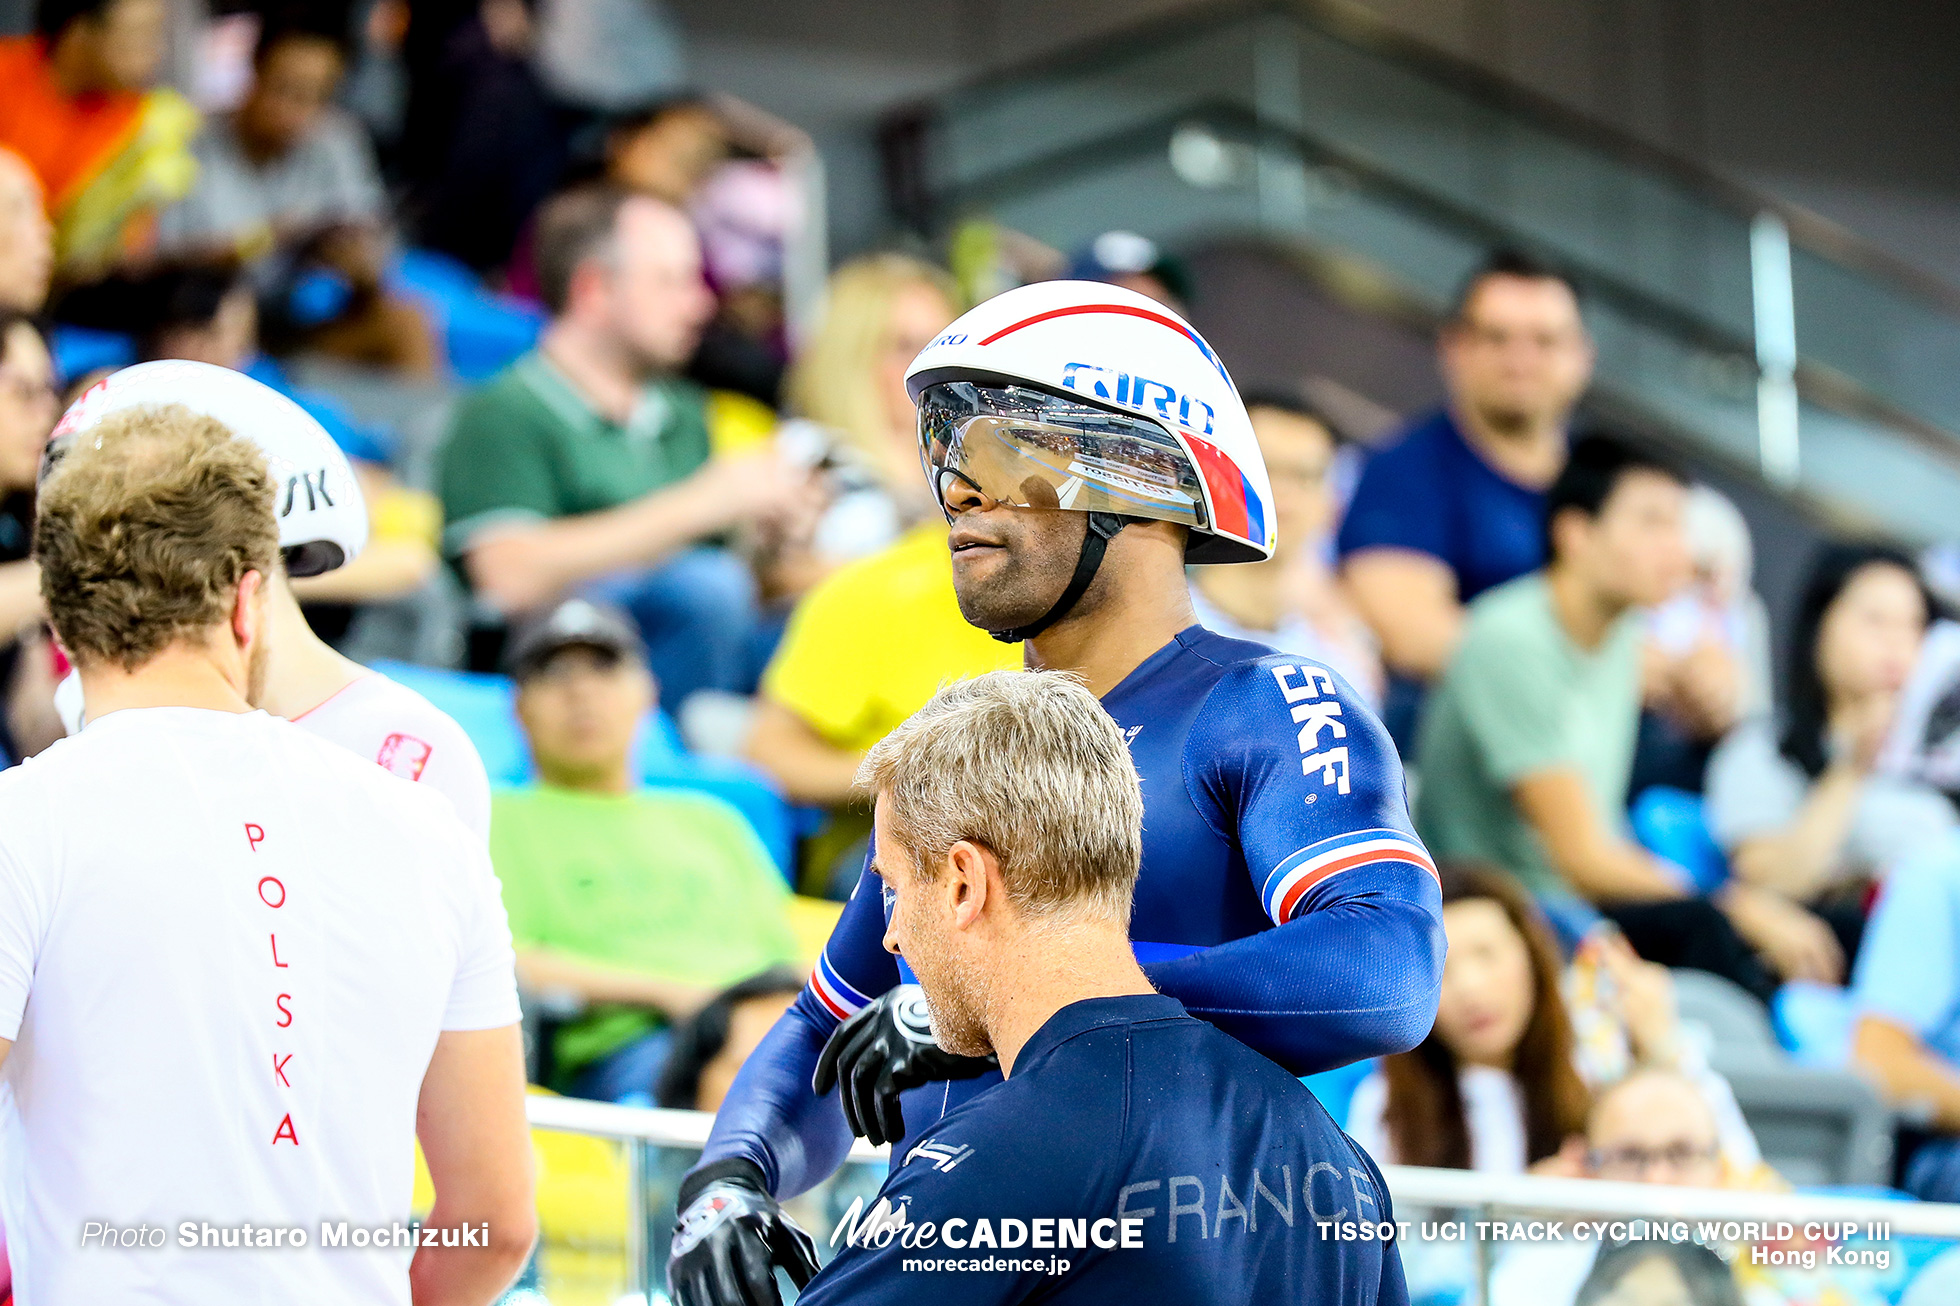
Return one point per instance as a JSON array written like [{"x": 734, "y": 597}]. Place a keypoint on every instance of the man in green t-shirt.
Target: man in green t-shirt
[
  {"x": 639, "y": 905},
  {"x": 1527, "y": 742},
  {"x": 584, "y": 466}
]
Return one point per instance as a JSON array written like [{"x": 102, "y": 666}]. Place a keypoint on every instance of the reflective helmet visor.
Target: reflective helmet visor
[{"x": 1031, "y": 449}]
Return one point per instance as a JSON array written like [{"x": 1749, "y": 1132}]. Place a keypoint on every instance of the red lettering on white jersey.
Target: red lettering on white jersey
[
  {"x": 266, "y": 898},
  {"x": 404, "y": 755},
  {"x": 285, "y": 1012},
  {"x": 279, "y": 1068},
  {"x": 285, "y": 1131},
  {"x": 254, "y": 834},
  {"x": 275, "y": 952}
]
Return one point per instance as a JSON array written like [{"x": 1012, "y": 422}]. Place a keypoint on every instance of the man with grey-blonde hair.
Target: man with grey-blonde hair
[
  {"x": 1133, "y": 1152},
  {"x": 962, "y": 769}
]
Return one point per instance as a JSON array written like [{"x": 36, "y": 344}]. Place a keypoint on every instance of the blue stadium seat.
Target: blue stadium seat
[
  {"x": 1672, "y": 824},
  {"x": 483, "y": 704},
  {"x": 1335, "y": 1088},
  {"x": 80, "y": 350},
  {"x": 1815, "y": 1022},
  {"x": 482, "y": 331}
]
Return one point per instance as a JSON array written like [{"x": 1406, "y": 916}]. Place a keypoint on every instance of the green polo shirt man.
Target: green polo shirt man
[
  {"x": 670, "y": 885},
  {"x": 584, "y": 467},
  {"x": 528, "y": 447},
  {"x": 1527, "y": 742}
]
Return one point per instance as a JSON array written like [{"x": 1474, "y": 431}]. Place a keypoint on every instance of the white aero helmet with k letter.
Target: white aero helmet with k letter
[
  {"x": 322, "y": 518},
  {"x": 1087, "y": 397}
]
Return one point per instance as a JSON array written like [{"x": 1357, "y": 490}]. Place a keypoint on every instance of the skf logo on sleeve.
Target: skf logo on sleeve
[
  {"x": 1316, "y": 710},
  {"x": 404, "y": 755}
]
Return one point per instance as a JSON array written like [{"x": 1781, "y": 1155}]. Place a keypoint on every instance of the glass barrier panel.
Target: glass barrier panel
[{"x": 606, "y": 1203}]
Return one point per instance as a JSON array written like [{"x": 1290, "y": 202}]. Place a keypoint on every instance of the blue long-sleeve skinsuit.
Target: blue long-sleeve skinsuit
[{"x": 1284, "y": 897}]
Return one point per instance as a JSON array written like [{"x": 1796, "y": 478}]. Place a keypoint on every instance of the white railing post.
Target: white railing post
[
  {"x": 1411, "y": 1187},
  {"x": 639, "y": 1275},
  {"x": 806, "y": 248},
  {"x": 1280, "y": 175},
  {"x": 1772, "y": 282}
]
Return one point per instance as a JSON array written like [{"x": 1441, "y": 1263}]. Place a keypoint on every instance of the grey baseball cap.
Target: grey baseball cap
[{"x": 573, "y": 623}]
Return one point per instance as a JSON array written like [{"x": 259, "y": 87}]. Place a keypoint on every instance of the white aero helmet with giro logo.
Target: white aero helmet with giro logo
[
  {"x": 322, "y": 516},
  {"x": 1084, "y": 396}
]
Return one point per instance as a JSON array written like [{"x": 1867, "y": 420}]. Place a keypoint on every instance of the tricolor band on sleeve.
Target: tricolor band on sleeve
[
  {"x": 1287, "y": 886},
  {"x": 838, "y": 997}
]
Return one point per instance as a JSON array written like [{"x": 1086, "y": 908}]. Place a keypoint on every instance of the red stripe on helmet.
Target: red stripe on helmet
[
  {"x": 1227, "y": 486},
  {"x": 1127, "y": 310}
]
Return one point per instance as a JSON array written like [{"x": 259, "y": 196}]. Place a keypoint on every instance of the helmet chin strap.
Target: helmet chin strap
[{"x": 1103, "y": 527}]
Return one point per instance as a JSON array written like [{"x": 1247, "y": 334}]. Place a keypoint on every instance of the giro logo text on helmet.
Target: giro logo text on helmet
[
  {"x": 1091, "y": 398},
  {"x": 1113, "y": 354},
  {"x": 1142, "y": 392}
]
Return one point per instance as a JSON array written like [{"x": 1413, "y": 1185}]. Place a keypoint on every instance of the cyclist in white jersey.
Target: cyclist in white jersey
[{"x": 322, "y": 525}]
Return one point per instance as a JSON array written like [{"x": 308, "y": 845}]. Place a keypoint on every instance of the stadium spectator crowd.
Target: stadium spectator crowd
[{"x": 658, "y": 503}]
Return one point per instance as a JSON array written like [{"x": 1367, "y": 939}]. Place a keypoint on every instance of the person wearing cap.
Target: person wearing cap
[
  {"x": 637, "y": 905},
  {"x": 322, "y": 526},
  {"x": 1085, "y": 445},
  {"x": 1123, "y": 258},
  {"x": 241, "y": 970}
]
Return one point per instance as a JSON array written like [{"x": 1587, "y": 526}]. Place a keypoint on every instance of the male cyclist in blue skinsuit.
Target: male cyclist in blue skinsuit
[{"x": 1086, "y": 444}]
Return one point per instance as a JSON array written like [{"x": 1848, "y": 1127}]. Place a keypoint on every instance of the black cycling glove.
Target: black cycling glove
[
  {"x": 882, "y": 1051},
  {"x": 730, "y": 1237}
]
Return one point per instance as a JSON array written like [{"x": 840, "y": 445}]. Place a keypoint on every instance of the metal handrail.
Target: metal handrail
[
  {"x": 1418, "y": 1186},
  {"x": 806, "y": 251},
  {"x": 1411, "y": 1186},
  {"x": 668, "y": 1128},
  {"x": 1148, "y": 137}
]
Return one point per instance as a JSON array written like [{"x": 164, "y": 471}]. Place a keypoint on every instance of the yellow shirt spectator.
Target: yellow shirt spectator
[
  {"x": 865, "y": 649},
  {"x": 874, "y": 641}
]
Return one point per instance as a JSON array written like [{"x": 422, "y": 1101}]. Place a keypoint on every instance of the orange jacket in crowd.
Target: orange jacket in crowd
[{"x": 107, "y": 160}]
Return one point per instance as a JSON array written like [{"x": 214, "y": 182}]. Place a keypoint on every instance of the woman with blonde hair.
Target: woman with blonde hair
[{"x": 849, "y": 380}]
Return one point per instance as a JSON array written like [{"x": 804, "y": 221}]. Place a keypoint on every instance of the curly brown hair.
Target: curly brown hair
[{"x": 144, "y": 529}]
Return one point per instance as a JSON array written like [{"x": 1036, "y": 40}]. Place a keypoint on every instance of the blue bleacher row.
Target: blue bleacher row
[
  {"x": 481, "y": 330},
  {"x": 1819, "y": 1126}
]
